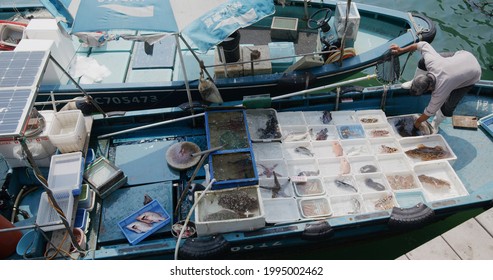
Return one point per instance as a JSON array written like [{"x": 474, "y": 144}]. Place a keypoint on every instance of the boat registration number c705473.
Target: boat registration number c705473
[{"x": 126, "y": 99}]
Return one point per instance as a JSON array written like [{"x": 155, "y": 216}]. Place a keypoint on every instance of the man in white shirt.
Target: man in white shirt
[{"x": 448, "y": 75}]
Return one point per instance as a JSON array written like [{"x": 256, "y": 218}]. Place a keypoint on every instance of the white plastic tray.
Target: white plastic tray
[
  {"x": 371, "y": 117},
  {"x": 411, "y": 143},
  {"x": 343, "y": 205},
  {"x": 443, "y": 171},
  {"x": 315, "y": 207},
  {"x": 282, "y": 210}
]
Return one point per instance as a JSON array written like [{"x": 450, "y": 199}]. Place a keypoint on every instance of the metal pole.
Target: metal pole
[
  {"x": 187, "y": 86},
  {"x": 89, "y": 98},
  {"x": 196, "y": 57},
  {"x": 343, "y": 40},
  {"x": 52, "y": 199}
]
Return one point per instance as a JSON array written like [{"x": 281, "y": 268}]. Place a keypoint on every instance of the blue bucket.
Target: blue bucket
[{"x": 29, "y": 244}]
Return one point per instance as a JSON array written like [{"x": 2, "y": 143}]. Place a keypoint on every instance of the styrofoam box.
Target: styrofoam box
[
  {"x": 325, "y": 149},
  {"x": 291, "y": 118},
  {"x": 209, "y": 205},
  {"x": 359, "y": 164},
  {"x": 344, "y": 117},
  {"x": 66, "y": 172},
  {"x": 315, "y": 207},
  {"x": 356, "y": 147},
  {"x": 257, "y": 120},
  {"x": 443, "y": 171},
  {"x": 282, "y": 210},
  {"x": 411, "y": 143},
  {"x": 393, "y": 162},
  {"x": 378, "y": 145},
  {"x": 332, "y": 188},
  {"x": 317, "y": 117},
  {"x": 47, "y": 215},
  {"x": 379, "y": 201},
  {"x": 403, "y": 181},
  {"x": 343, "y": 205},
  {"x": 266, "y": 191},
  {"x": 312, "y": 187},
  {"x": 331, "y": 166},
  {"x": 294, "y": 133},
  {"x": 303, "y": 167},
  {"x": 365, "y": 117},
  {"x": 379, "y": 131},
  {"x": 295, "y": 150},
  {"x": 269, "y": 150},
  {"x": 267, "y": 167},
  {"x": 375, "y": 177},
  {"x": 68, "y": 131},
  {"x": 323, "y": 132}
]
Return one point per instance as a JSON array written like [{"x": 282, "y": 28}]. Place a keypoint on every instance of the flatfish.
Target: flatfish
[
  {"x": 426, "y": 153},
  {"x": 434, "y": 182},
  {"x": 224, "y": 214}
]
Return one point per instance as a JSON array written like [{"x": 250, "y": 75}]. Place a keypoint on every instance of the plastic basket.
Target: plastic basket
[
  {"x": 47, "y": 215},
  {"x": 68, "y": 131}
]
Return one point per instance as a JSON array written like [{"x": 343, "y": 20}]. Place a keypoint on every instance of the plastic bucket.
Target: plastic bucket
[
  {"x": 9, "y": 239},
  {"x": 231, "y": 47},
  {"x": 26, "y": 244}
]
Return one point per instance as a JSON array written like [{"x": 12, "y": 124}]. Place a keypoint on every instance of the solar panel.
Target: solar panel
[{"x": 20, "y": 73}]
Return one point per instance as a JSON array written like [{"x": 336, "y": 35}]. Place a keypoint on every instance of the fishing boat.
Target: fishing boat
[
  {"x": 289, "y": 46},
  {"x": 11, "y": 33},
  {"x": 314, "y": 167}
]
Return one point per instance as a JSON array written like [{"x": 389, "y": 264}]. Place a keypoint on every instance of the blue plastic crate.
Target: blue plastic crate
[
  {"x": 134, "y": 237},
  {"x": 487, "y": 123},
  {"x": 81, "y": 219},
  {"x": 239, "y": 167}
]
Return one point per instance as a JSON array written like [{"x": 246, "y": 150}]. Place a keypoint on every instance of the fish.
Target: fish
[
  {"x": 139, "y": 227},
  {"x": 337, "y": 149},
  {"x": 356, "y": 206},
  {"x": 374, "y": 185},
  {"x": 387, "y": 149},
  {"x": 271, "y": 129},
  {"x": 304, "y": 151},
  {"x": 150, "y": 217},
  {"x": 344, "y": 185},
  {"x": 426, "y": 153},
  {"x": 368, "y": 168},
  {"x": 345, "y": 167},
  {"x": 296, "y": 136},
  {"x": 309, "y": 173},
  {"x": 434, "y": 182},
  {"x": 224, "y": 214},
  {"x": 322, "y": 134},
  {"x": 379, "y": 133},
  {"x": 326, "y": 117},
  {"x": 401, "y": 182}
]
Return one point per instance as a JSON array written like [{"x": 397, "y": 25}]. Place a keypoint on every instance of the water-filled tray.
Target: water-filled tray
[
  {"x": 318, "y": 117},
  {"x": 315, "y": 207},
  {"x": 340, "y": 185},
  {"x": 323, "y": 132},
  {"x": 371, "y": 182},
  {"x": 427, "y": 148},
  {"x": 343, "y": 205},
  {"x": 270, "y": 190},
  {"x": 351, "y": 131},
  {"x": 281, "y": 210},
  {"x": 371, "y": 117}
]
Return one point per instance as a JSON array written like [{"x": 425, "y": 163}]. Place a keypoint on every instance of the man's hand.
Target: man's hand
[{"x": 395, "y": 49}]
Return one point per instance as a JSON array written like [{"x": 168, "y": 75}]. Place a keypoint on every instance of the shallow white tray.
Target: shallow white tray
[
  {"x": 291, "y": 118},
  {"x": 265, "y": 185},
  {"x": 281, "y": 210},
  {"x": 332, "y": 188},
  {"x": 378, "y": 145},
  {"x": 343, "y": 205},
  {"x": 377, "y": 115},
  {"x": 330, "y": 132},
  {"x": 379, "y": 201},
  {"x": 363, "y": 187},
  {"x": 315, "y": 207},
  {"x": 315, "y": 118},
  {"x": 411, "y": 143}
]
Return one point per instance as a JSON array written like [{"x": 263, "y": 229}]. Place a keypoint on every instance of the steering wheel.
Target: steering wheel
[{"x": 321, "y": 23}]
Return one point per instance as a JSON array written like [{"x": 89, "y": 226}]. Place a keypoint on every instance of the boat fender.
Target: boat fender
[
  {"x": 412, "y": 217},
  {"x": 317, "y": 231},
  {"x": 429, "y": 33},
  {"x": 296, "y": 81},
  {"x": 206, "y": 247}
]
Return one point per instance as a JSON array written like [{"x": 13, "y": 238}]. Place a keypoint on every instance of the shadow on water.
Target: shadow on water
[{"x": 465, "y": 151}]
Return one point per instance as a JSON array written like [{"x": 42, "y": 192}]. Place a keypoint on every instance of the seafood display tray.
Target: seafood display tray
[
  {"x": 406, "y": 125},
  {"x": 281, "y": 210},
  {"x": 263, "y": 125},
  {"x": 267, "y": 151},
  {"x": 351, "y": 131},
  {"x": 233, "y": 169},
  {"x": 411, "y": 143},
  {"x": 212, "y": 217},
  {"x": 441, "y": 170},
  {"x": 371, "y": 117},
  {"x": 227, "y": 128},
  {"x": 487, "y": 123},
  {"x": 134, "y": 237}
]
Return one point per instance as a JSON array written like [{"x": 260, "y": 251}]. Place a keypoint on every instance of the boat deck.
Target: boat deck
[{"x": 471, "y": 240}]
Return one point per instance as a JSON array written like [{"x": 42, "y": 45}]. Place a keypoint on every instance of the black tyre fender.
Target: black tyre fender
[
  {"x": 201, "y": 248},
  {"x": 430, "y": 33},
  {"x": 317, "y": 231},
  {"x": 412, "y": 217}
]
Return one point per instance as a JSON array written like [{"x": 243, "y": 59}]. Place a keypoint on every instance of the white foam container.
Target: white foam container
[
  {"x": 48, "y": 216},
  {"x": 372, "y": 131},
  {"x": 379, "y": 115},
  {"x": 66, "y": 172},
  {"x": 68, "y": 131},
  {"x": 411, "y": 143},
  {"x": 316, "y": 207},
  {"x": 282, "y": 210},
  {"x": 444, "y": 171},
  {"x": 393, "y": 162},
  {"x": 343, "y": 205},
  {"x": 356, "y": 147}
]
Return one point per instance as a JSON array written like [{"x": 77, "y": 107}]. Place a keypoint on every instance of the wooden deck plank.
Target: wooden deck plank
[
  {"x": 435, "y": 249},
  {"x": 486, "y": 220},
  {"x": 470, "y": 241}
]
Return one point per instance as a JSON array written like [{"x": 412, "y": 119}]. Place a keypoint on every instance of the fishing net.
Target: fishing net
[{"x": 388, "y": 70}]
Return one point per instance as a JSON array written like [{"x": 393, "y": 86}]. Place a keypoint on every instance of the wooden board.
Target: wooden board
[{"x": 465, "y": 122}]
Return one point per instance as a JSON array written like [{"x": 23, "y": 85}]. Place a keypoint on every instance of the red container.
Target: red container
[{"x": 9, "y": 239}]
